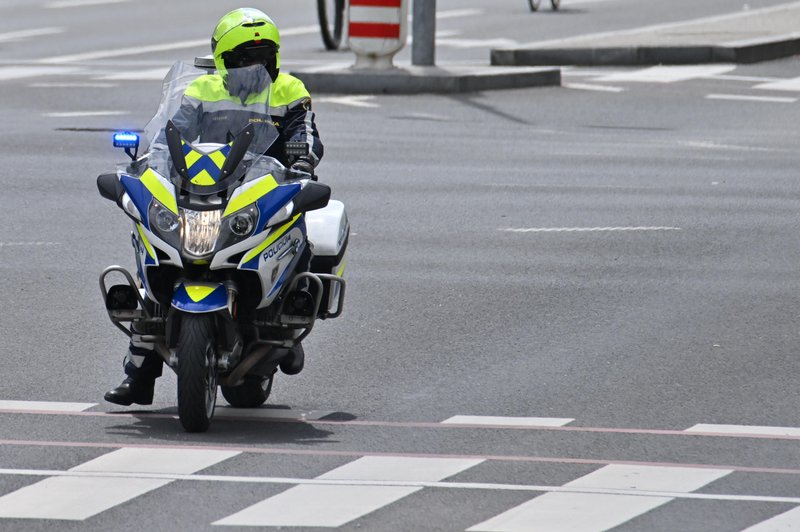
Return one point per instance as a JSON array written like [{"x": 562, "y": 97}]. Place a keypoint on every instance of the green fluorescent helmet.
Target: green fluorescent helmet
[{"x": 240, "y": 26}]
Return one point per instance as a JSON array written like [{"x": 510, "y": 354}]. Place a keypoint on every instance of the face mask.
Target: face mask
[{"x": 242, "y": 82}]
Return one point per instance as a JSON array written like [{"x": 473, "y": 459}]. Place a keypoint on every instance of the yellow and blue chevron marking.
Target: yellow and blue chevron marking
[{"x": 205, "y": 169}]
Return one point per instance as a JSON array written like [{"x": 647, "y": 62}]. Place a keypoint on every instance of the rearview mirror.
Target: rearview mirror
[{"x": 313, "y": 196}]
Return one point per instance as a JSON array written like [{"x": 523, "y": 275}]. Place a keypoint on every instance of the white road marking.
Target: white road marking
[
  {"x": 667, "y": 73},
  {"x": 591, "y": 87},
  {"x": 748, "y": 79},
  {"x": 44, "y": 406},
  {"x": 70, "y": 85},
  {"x": 599, "y": 511},
  {"x": 165, "y": 47},
  {"x": 782, "y": 85},
  {"x": 457, "y": 13},
  {"x": 21, "y": 72},
  {"x": 487, "y": 486},
  {"x": 78, "y": 114},
  {"x": 492, "y": 421},
  {"x": 476, "y": 43},
  {"x": 121, "y": 52},
  {"x": 744, "y": 98},
  {"x": 153, "y": 74},
  {"x": 710, "y": 145},
  {"x": 27, "y": 34},
  {"x": 585, "y": 229},
  {"x": 81, "y": 3},
  {"x": 745, "y": 429},
  {"x": 785, "y": 522},
  {"x": 78, "y": 498},
  {"x": 334, "y": 506},
  {"x": 352, "y": 101}
]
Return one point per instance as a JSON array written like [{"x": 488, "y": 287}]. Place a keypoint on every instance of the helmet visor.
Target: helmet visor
[{"x": 250, "y": 54}]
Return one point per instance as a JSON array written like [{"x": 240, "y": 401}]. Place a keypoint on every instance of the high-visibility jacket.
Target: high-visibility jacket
[{"x": 209, "y": 112}]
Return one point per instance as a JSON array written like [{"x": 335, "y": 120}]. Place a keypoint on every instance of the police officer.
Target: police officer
[{"x": 246, "y": 49}]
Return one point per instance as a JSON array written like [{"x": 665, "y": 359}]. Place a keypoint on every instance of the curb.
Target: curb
[
  {"x": 750, "y": 51},
  {"x": 415, "y": 79}
]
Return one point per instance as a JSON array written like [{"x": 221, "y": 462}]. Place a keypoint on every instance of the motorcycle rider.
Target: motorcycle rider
[{"x": 248, "y": 41}]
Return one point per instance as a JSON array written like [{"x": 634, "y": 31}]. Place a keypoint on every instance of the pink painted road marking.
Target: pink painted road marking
[{"x": 426, "y": 424}]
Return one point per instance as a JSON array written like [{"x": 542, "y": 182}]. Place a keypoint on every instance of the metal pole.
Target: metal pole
[{"x": 423, "y": 48}]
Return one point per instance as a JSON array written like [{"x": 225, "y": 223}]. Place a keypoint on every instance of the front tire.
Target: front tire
[
  {"x": 197, "y": 372},
  {"x": 534, "y": 4},
  {"x": 252, "y": 393},
  {"x": 555, "y": 4}
]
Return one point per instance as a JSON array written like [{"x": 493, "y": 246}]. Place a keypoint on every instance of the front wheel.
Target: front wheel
[
  {"x": 534, "y": 4},
  {"x": 250, "y": 394},
  {"x": 555, "y": 4},
  {"x": 197, "y": 372}
]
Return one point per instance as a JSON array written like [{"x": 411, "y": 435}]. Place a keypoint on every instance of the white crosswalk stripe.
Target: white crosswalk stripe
[
  {"x": 333, "y": 506},
  {"x": 78, "y": 498},
  {"x": 785, "y": 522},
  {"x": 590, "y": 512}
]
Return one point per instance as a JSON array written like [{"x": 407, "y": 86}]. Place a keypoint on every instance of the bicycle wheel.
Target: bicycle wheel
[
  {"x": 534, "y": 4},
  {"x": 555, "y": 4},
  {"x": 331, "y": 22}
]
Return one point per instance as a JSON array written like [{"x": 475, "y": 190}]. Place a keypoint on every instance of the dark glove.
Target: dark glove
[{"x": 304, "y": 164}]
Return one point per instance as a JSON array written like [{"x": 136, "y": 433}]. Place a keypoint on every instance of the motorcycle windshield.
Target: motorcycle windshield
[{"x": 209, "y": 129}]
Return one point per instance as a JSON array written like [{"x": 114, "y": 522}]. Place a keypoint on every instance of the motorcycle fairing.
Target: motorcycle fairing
[
  {"x": 265, "y": 192},
  {"x": 200, "y": 297},
  {"x": 142, "y": 190}
]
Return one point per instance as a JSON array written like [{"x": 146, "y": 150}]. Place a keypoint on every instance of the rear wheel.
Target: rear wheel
[
  {"x": 250, "y": 394},
  {"x": 534, "y": 4},
  {"x": 197, "y": 372}
]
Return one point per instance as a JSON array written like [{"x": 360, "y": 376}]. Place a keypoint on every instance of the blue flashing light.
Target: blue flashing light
[{"x": 126, "y": 140}]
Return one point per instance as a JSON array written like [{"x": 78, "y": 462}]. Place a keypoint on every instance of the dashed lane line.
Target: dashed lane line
[
  {"x": 505, "y": 421},
  {"x": 318, "y": 417},
  {"x": 746, "y": 98},
  {"x": 45, "y": 406},
  {"x": 27, "y": 34},
  {"x": 81, "y": 3}
]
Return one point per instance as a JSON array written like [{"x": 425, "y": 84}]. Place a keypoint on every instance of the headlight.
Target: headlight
[
  {"x": 165, "y": 224},
  {"x": 165, "y": 220},
  {"x": 242, "y": 223},
  {"x": 200, "y": 231},
  {"x": 238, "y": 226}
]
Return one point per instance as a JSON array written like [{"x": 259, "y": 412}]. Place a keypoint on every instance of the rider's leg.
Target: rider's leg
[{"x": 142, "y": 367}]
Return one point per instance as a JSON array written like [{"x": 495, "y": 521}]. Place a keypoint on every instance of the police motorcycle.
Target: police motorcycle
[{"x": 220, "y": 236}]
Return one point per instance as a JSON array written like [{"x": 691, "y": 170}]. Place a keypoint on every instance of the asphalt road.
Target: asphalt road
[{"x": 615, "y": 258}]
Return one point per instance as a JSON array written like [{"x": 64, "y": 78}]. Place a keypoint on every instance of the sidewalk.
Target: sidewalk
[{"x": 743, "y": 37}]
